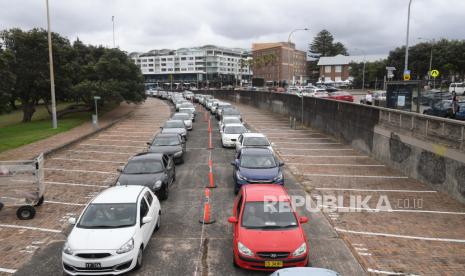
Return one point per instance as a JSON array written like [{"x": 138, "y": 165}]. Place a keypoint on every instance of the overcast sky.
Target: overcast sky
[{"x": 374, "y": 26}]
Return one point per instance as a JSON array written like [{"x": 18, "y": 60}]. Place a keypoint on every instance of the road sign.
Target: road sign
[
  {"x": 406, "y": 75},
  {"x": 434, "y": 73},
  {"x": 97, "y": 98}
]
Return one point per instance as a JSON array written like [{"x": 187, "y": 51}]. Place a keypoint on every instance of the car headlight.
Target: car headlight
[
  {"x": 279, "y": 177},
  {"x": 128, "y": 246},
  {"x": 244, "y": 250},
  {"x": 157, "y": 184},
  {"x": 67, "y": 249},
  {"x": 300, "y": 251},
  {"x": 177, "y": 154}
]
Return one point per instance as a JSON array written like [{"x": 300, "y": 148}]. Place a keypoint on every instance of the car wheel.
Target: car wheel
[
  {"x": 41, "y": 201},
  {"x": 157, "y": 226},
  {"x": 140, "y": 259},
  {"x": 26, "y": 212},
  {"x": 164, "y": 192}
]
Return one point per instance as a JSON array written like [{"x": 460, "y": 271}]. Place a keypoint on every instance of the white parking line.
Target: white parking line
[
  {"x": 324, "y": 156},
  {"x": 331, "y": 165},
  {"x": 116, "y": 140},
  {"x": 87, "y": 160},
  {"x": 356, "y": 176},
  {"x": 7, "y": 270},
  {"x": 398, "y": 236},
  {"x": 371, "y": 190},
  {"x": 115, "y": 146},
  {"x": 64, "y": 203},
  {"x": 389, "y": 272},
  {"x": 30, "y": 228},
  {"x": 81, "y": 171},
  {"x": 76, "y": 184},
  {"x": 96, "y": 151}
]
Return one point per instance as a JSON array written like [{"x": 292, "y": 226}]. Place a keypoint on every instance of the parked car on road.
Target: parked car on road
[
  {"x": 458, "y": 88},
  {"x": 226, "y": 120},
  {"x": 175, "y": 126},
  {"x": 112, "y": 232},
  {"x": 171, "y": 144},
  {"x": 252, "y": 140},
  {"x": 304, "y": 271},
  {"x": 256, "y": 165},
  {"x": 230, "y": 134},
  {"x": 186, "y": 117},
  {"x": 440, "y": 109},
  {"x": 231, "y": 112},
  {"x": 153, "y": 170},
  {"x": 341, "y": 96},
  {"x": 267, "y": 238}
]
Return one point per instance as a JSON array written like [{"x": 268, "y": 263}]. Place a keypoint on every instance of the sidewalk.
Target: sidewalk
[{"x": 30, "y": 151}]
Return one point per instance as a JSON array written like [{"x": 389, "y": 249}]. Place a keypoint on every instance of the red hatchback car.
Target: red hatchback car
[
  {"x": 341, "y": 96},
  {"x": 267, "y": 236}
]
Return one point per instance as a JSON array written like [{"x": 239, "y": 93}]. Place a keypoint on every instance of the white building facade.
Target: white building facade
[{"x": 197, "y": 66}]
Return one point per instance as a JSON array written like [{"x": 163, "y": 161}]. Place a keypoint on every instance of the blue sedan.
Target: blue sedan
[{"x": 256, "y": 165}]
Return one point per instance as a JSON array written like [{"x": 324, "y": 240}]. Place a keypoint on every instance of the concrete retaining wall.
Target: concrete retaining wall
[{"x": 425, "y": 148}]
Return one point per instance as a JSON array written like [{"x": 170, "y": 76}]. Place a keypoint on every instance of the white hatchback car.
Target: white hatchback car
[
  {"x": 228, "y": 120},
  {"x": 252, "y": 140},
  {"x": 230, "y": 134},
  {"x": 112, "y": 231}
]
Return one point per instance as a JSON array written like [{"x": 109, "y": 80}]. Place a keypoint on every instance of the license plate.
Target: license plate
[
  {"x": 93, "y": 265},
  {"x": 273, "y": 263}
]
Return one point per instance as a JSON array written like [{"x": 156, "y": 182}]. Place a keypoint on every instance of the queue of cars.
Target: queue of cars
[
  {"x": 110, "y": 235},
  {"x": 262, "y": 239}
]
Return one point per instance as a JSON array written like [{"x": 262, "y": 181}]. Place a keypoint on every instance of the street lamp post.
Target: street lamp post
[
  {"x": 289, "y": 66},
  {"x": 407, "y": 37},
  {"x": 113, "y": 22},
  {"x": 431, "y": 41},
  {"x": 52, "y": 77}
]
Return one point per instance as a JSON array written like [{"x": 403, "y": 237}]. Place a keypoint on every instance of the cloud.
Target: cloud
[{"x": 142, "y": 25}]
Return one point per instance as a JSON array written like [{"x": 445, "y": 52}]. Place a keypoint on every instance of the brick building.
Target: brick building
[{"x": 279, "y": 63}]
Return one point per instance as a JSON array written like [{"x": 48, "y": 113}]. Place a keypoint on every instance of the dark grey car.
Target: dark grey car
[
  {"x": 153, "y": 170},
  {"x": 170, "y": 144}
]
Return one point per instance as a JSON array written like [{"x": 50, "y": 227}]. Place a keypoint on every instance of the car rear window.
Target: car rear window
[{"x": 256, "y": 141}]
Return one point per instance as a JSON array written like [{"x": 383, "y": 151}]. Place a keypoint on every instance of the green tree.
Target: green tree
[
  {"x": 374, "y": 73},
  {"x": 323, "y": 45},
  {"x": 7, "y": 81}
]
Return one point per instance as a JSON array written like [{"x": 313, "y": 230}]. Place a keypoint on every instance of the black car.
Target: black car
[
  {"x": 432, "y": 97},
  {"x": 440, "y": 109},
  {"x": 153, "y": 170},
  {"x": 171, "y": 144}
]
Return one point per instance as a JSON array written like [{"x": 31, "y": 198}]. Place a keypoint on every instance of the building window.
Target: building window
[
  {"x": 327, "y": 69},
  {"x": 163, "y": 69},
  {"x": 150, "y": 70},
  {"x": 338, "y": 69}
]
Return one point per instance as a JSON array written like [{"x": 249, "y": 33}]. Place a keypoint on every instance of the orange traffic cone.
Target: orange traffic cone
[
  {"x": 206, "y": 219},
  {"x": 210, "y": 175}
]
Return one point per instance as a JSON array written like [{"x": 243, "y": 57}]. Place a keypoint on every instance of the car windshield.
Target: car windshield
[
  {"x": 256, "y": 141},
  {"x": 174, "y": 124},
  {"x": 253, "y": 161},
  {"x": 184, "y": 116},
  {"x": 231, "y": 112},
  {"x": 143, "y": 167},
  {"x": 231, "y": 121},
  {"x": 234, "y": 129},
  {"x": 166, "y": 141},
  {"x": 261, "y": 215},
  {"x": 109, "y": 215}
]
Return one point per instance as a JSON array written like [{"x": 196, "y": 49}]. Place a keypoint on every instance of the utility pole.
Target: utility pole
[
  {"x": 52, "y": 75},
  {"x": 407, "y": 37},
  {"x": 113, "y": 21}
]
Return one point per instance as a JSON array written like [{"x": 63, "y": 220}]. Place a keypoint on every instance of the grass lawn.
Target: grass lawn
[
  {"x": 14, "y": 134},
  {"x": 17, "y": 115}
]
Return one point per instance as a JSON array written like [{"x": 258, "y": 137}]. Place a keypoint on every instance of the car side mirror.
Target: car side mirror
[
  {"x": 281, "y": 163},
  {"x": 146, "y": 219},
  {"x": 232, "y": 220},
  {"x": 149, "y": 144},
  {"x": 303, "y": 219},
  {"x": 120, "y": 169},
  {"x": 72, "y": 221}
]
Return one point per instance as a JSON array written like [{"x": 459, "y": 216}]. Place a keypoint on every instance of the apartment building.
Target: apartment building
[
  {"x": 200, "y": 66},
  {"x": 279, "y": 63}
]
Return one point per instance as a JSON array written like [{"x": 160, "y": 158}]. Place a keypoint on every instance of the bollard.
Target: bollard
[{"x": 206, "y": 218}]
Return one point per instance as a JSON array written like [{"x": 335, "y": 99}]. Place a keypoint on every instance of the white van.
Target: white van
[{"x": 458, "y": 88}]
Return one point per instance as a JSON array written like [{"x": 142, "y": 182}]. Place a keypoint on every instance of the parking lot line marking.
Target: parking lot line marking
[
  {"x": 116, "y": 140},
  {"x": 81, "y": 171},
  {"x": 323, "y": 156},
  {"x": 371, "y": 190},
  {"x": 356, "y": 176},
  {"x": 398, "y": 236},
  {"x": 116, "y": 146},
  {"x": 335, "y": 165},
  {"x": 389, "y": 272},
  {"x": 7, "y": 270},
  {"x": 64, "y": 203},
  {"x": 87, "y": 160},
  {"x": 279, "y": 148},
  {"x": 394, "y": 210},
  {"x": 96, "y": 151},
  {"x": 76, "y": 184},
  {"x": 30, "y": 228},
  {"x": 140, "y": 132}
]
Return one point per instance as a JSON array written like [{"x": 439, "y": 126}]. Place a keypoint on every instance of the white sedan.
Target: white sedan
[
  {"x": 230, "y": 134},
  {"x": 112, "y": 232},
  {"x": 252, "y": 140}
]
